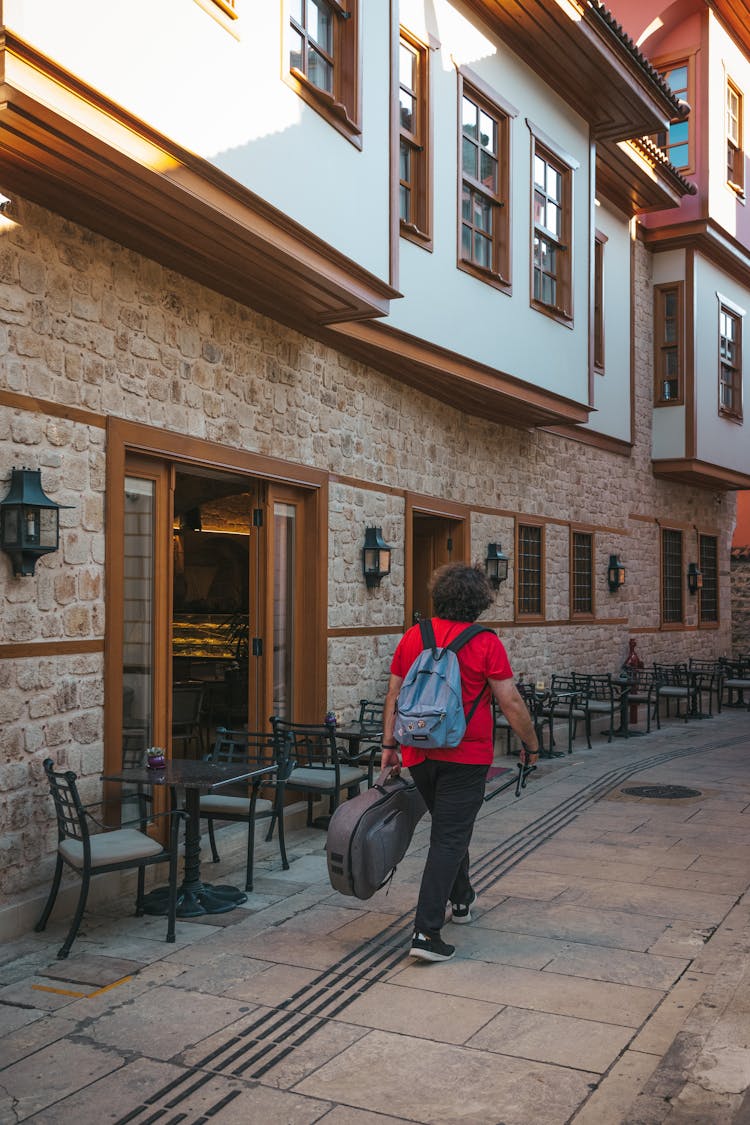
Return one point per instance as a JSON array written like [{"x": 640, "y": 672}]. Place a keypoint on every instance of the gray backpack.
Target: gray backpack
[
  {"x": 368, "y": 835},
  {"x": 430, "y": 711}
]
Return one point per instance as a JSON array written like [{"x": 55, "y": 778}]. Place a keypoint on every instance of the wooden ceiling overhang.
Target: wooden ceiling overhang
[
  {"x": 636, "y": 176},
  {"x": 701, "y": 474},
  {"x": 709, "y": 239},
  {"x": 474, "y": 388},
  {"x": 735, "y": 14},
  {"x": 65, "y": 147},
  {"x": 579, "y": 50}
]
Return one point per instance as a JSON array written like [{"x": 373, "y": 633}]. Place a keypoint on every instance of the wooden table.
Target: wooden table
[{"x": 194, "y": 897}]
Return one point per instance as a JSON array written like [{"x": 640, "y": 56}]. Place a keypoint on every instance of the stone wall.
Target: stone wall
[
  {"x": 740, "y": 601},
  {"x": 92, "y": 327}
]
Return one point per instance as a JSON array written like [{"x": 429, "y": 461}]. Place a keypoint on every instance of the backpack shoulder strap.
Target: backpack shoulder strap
[
  {"x": 428, "y": 634},
  {"x": 468, "y": 633}
]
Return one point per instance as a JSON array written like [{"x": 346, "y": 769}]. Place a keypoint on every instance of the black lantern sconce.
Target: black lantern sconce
[
  {"x": 29, "y": 521},
  {"x": 695, "y": 578},
  {"x": 496, "y": 564},
  {"x": 376, "y": 557},
  {"x": 615, "y": 574}
]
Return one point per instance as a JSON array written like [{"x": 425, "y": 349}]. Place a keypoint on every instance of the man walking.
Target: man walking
[{"x": 452, "y": 781}]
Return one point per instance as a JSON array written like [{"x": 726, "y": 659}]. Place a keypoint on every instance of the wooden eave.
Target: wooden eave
[
  {"x": 708, "y": 239},
  {"x": 631, "y": 181},
  {"x": 735, "y": 14},
  {"x": 576, "y": 51},
  {"x": 120, "y": 178},
  {"x": 700, "y": 474},
  {"x": 474, "y": 388}
]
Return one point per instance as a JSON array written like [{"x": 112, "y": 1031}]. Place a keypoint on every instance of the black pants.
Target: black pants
[{"x": 453, "y": 794}]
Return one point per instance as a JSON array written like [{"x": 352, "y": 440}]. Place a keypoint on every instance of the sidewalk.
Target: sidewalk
[{"x": 605, "y": 980}]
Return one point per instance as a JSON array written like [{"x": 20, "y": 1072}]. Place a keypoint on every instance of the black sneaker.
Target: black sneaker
[
  {"x": 430, "y": 948},
  {"x": 461, "y": 911}
]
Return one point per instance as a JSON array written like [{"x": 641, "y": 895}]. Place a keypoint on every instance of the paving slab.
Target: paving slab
[{"x": 576, "y": 1043}]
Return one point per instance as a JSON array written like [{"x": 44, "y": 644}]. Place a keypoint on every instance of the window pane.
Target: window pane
[
  {"x": 404, "y": 204},
  {"x": 553, "y": 219},
  {"x": 466, "y": 204},
  {"x": 406, "y": 67},
  {"x": 539, "y": 204},
  {"x": 487, "y": 131},
  {"x": 483, "y": 251},
  {"x": 284, "y": 608},
  {"x": 466, "y": 243},
  {"x": 404, "y": 162},
  {"x": 320, "y": 24},
  {"x": 319, "y": 70},
  {"x": 470, "y": 113},
  {"x": 553, "y": 183},
  {"x": 709, "y": 594},
  {"x": 470, "y": 158},
  {"x": 295, "y": 50},
  {"x": 539, "y": 167},
  {"x": 408, "y": 110},
  {"x": 529, "y": 570},
  {"x": 482, "y": 214},
  {"x": 139, "y": 537},
  {"x": 679, "y": 156},
  {"x": 672, "y": 575},
  {"x": 549, "y": 290},
  {"x": 678, "y": 79},
  {"x": 488, "y": 171},
  {"x": 295, "y": 10},
  {"x": 678, "y": 133}
]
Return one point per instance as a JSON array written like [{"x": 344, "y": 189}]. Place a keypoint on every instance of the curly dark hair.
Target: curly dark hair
[{"x": 460, "y": 592}]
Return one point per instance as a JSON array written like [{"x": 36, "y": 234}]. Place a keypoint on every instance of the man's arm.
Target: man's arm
[
  {"x": 389, "y": 749},
  {"x": 516, "y": 712}
]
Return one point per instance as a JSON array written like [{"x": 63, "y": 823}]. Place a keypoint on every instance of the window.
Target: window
[
  {"x": 668, "y": 345},
  {"x": 552, "y": 177},
  {"x": 708, "y": 595},
  {"x": 598, "y": 324},
  {"x": 323, "y": 60},
  {"x": 529, "y": 556},
  {"x": 671, "y": 577},
  {"x": 582, "y": 574},
  {"x": 730, "y": 363},
  {"x": 735, "y": 154},
  {"x": 484, "y": 238},
  {"x": 675, "y": 141},
  {"x": 415, "y": 206}
]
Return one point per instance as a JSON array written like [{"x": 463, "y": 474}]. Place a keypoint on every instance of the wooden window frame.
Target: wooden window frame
[
  {"x": 545, "y": 149},
  {"x": 708, "y": 622},
  {"x": 580, "y": 578},
  {"x": 732, "y": 413},
  {"x": 662, "y": 345},
  {"x": 677, "y": 577},
  {"x": 597, "y": 316},
  {"x": 489, "y": 102},
  {"x": 418, "y": 227},
  {"x": 539, "y": 615},
  {"x": 342, "y": 107},
  {"x": 664, "y": 65},
  {"x": 735, "y": 139}
]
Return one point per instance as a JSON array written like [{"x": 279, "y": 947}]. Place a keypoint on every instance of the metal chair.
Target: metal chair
[
  {"x": 735, "y": 682},
  {"x": 676, "y": 682},
  {"x": 642, "y": 685},
  {"x": 89, "y": 853},
  {"x": 709, "y": 675},
  {"x": 255, "y": 749},
  {"x": 187, "y": 705},
  {"x": 535, "y": 706},
  {"x": 597, "y": 696},
  {"x": 320, "y": 766},
  {"x": 564, "y": 702}
]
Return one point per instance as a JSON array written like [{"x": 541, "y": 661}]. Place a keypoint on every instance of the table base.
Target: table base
[
  {"x": 196, "y": 900},
  {"x": 628, "y": 733}
]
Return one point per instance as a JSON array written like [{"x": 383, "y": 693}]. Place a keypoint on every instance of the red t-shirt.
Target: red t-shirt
[{"x": 482, "y": 658}]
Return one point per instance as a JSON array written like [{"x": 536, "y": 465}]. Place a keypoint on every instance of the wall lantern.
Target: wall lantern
[
  {"x": 496, "y": 564},
  {"x": 695, "y": 578},
  {"x": 376, "y": 557},
  {"x": 29, "y": 521},
  {"x": 615, "y": 574}
]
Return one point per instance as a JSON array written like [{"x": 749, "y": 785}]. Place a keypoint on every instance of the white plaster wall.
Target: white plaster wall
[
  {"x": 223, "y": 98},
  {"x": 720, "y": 440},
  {"x": 612, "y": 389},
  {"x": 726, "y": 60},
  {"x": 451, "y": 308}
]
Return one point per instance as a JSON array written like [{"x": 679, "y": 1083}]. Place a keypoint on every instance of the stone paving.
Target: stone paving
[{"x": 605, "y": 978}]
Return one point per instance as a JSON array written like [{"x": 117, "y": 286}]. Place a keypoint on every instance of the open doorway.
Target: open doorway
[{"x": 435, "y": 540}]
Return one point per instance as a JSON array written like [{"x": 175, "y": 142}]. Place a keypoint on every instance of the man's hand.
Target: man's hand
[
  {"x": 391, "y": 760},
  {"x": 528, "y": 757}
]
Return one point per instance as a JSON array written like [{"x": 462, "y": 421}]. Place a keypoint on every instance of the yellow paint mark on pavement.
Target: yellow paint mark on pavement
[{"x": 80, "y": 995}]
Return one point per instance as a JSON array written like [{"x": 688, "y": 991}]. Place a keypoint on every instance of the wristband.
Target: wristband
[{"x": 389, "y": 746}]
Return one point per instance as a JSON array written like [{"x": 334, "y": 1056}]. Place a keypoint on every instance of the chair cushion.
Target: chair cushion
[
  {"x": 737, "y": 683},
  {"x": 674, "y": 692},
  {"x": 307, "y": 777},
  {"x": 111, "y": 847},
  {"x": 600, "y": 706},
  {"x": 217, "y": 804}
]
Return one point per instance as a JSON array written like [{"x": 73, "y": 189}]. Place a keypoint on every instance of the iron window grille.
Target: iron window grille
[
  {"x": 708, "y": 595},
  {"x": 671, "y": 576}
]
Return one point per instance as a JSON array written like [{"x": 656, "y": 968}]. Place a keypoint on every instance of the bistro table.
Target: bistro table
[
  {"x": 194, "y": 897},
  {"x": 354, "y": 734}
]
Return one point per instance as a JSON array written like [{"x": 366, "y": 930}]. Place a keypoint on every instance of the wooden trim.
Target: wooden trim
[
  {"x": 632, "y": 294},
  {"x": 700, "y": 474},
  {"x": 462, "y": 383},
  {"x": 690, "y": 391},
  {"x": 710, "y": 240},
  {"x": 419, "y": 231},
  {"x": 553, "y": 148},
  {"x": 38, "y": 650},
  {"x": 597, "y": 333},
  {"x": 590, "y": 614},
  {"x": 671, "y": 525},
  {"x": 555, "y": 157},
  {"x": 365, "y": 485},
  {"x": 660, "y": 294},
  {"x": 481, "y": 94},
  {"x": 33, "y": 404},
  {"x": 366, "y": 631},
  {"x": 531, "y": 521},
  {"x": 728, "y": 307},
  {"x": 618, "y": 446},
  {"x": 448, "y": 510},
  {"x": 670, "y": 61},
  {"x": 223, "y": 12}
]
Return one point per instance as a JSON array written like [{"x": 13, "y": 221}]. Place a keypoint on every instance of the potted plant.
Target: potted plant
[{"x": 155, "y": 758}]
